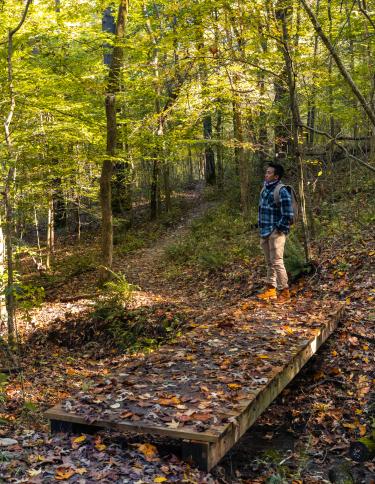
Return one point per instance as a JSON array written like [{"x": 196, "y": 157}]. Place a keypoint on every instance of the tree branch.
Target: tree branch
[
  {"x": 358, "y": 94},
  {"x": 349, "y": 155}
]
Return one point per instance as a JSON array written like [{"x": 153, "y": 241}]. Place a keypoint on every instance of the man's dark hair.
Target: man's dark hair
[{"x": 279, "y": 169}]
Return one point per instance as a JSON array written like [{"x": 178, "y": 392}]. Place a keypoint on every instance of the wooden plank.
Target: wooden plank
[
  {"x": 256, "y": 407},
  {"x": 57, "y": 413},
  {"x": 207, "y": 448}
]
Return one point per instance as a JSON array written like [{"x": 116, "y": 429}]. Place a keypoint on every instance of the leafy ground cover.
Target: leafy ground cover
[{"x": 314, "y": 419}]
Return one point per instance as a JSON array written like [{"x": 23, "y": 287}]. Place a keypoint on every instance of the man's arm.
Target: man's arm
[{"x": 286, "y": 208}]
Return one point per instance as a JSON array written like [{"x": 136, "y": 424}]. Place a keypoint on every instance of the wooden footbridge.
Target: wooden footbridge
[{"x": 210, "y": 386}]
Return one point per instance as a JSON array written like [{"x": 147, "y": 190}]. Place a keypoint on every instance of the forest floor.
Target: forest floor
[{"x": 67, "y": 345}]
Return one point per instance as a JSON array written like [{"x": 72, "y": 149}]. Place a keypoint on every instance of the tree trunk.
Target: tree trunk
[
  {"x": 283, "y": 13},
  {"x": 107, "y": 167},
  {"x": 8, "y": 182},
  {"x": 3, "y": 308},
  {"x": 311, "y": 109},
  {"x": 154, "y": 190},
  {"x": 219, "y": 149},
  {"x": 167, "y": 187},
  {"x": 240, "y": 157},
  {"x": 50, "y": 232},
  {"x": 190, "y": 163},
  {"x": 354, "y": 88},
  {"x": 209, "y": 155}
]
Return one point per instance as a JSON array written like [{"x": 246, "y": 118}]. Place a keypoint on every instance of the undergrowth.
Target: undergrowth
[
  {"x": 222, "y": 237},
  {"x": 113, "y": 324},
  {"x": 218, "y": 238},
  {"x": 127, "y": 240}
]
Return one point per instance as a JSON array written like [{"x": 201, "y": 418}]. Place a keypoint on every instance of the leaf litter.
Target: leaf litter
[{"x": 232, "y": 347}]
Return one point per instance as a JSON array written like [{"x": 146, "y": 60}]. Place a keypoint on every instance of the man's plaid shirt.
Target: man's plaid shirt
[{"x": 272, "y": 216}]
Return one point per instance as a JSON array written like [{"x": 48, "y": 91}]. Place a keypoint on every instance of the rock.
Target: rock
[{"x": 7, "y": 442}]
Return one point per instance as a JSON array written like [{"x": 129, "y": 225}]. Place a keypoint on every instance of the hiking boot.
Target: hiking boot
[
  {"x": 283, "y": 295},
  {"x": 268, "y": 294}
]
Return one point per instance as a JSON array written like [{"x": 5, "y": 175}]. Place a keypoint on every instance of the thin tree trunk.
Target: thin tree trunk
[
  {"x": 167, "y": 187},
  {"x": 262, "y": 135},
  {"x": 8, "y": 182},
  {"x": 50, "y": 232},
  {"x": 107, "y": 167},
  {"x": 354, "y": 88},
  {"x": 78, "y": 218},
  {"x": 40, "y": 263},
  {"x": 240, "y": 157},
  {"x": 209, "y": 155},
  {"x": 311, "y": 110},
  {"x": 3, "y": 308},
  {"x": 283, "y": 15},
  {"x": 219, "y": 149},
  {"x": 190, "y": 162},
  {"x": 154, "y": 190}
]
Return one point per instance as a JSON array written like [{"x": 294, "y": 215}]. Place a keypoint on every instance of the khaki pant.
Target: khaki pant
[{"x": 273, "y": 248}]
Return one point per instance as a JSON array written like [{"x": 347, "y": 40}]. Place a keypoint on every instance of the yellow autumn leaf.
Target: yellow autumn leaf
[
  {"x": 160, "y": 479},
  {"x": 81, "y": 470},
  {"x": 334, "y": 353},
  {"x": 100, "y": 447},
  {"x": 365, "y": 347},
  {"x": 234, "y": 386},
  {"x": 147, "y": 450},
  {"x": 263, "y": 357},
  {"x": 34, "y": 472},
  {"x": 362, "y": 430},
  {"x": 349, "y": 426},
  {"x": 80, "y": 439}
]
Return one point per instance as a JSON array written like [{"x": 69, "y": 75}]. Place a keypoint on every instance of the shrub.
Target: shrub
[{"x": 295, "y": 261}]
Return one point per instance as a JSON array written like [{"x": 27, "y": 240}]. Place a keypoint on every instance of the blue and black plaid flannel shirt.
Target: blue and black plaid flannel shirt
[{"x": 271, "y": 216}]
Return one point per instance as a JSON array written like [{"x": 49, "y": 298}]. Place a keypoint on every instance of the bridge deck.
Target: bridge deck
[{"x": 210, "y": 386}]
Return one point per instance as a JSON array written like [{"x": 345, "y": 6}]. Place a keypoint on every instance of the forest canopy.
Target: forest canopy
[{"x": 108, "y": 105}]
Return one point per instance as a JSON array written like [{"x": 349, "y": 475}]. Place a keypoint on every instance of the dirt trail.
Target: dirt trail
[{"x": 145, "y": 268}]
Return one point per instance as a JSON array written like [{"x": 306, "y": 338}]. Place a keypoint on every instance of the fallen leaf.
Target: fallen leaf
[
  {"x": 78, "y": 440},
  {"x": 64, "y": 473},
  {"x": 169, "y": 402},
  {"x": 148, "y": 450},
  {"x": 173, "y": 425},
  {"x": 234, "y": 386}
]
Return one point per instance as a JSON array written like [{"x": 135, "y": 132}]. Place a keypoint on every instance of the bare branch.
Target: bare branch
[{"x": 347, "y": 153}]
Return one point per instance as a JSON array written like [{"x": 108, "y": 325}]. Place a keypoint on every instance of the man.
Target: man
[{"x": 274, "y": 225}]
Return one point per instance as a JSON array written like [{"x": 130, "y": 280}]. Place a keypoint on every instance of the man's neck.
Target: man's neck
[{"x": 270, "y": 184}]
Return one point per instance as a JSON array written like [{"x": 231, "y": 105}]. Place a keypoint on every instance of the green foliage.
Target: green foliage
[
  {"x": 30, "y": 406},
  {"x": 3, "y": 384},
  {"x": 78, "y": 264},
  {"x": 294, "y": 257},
  {"x": 137, "y": 334},
  {"x": 28, "y": 296},
  {"x": 220, "y": 237},
  {"x": 118, "y": 290},
  {"x": 133, "y": 330},
  {"x": 138, "y": 329}
]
